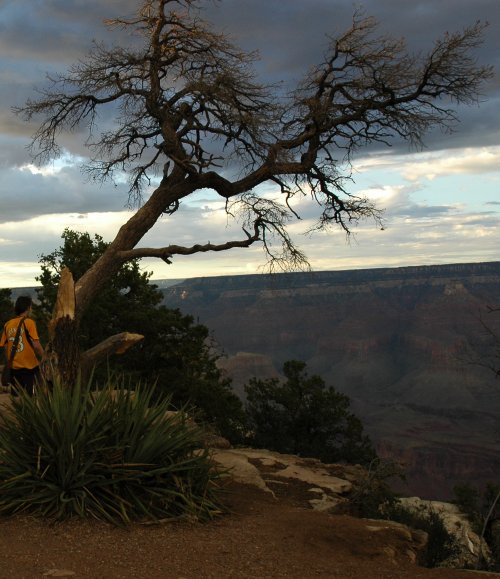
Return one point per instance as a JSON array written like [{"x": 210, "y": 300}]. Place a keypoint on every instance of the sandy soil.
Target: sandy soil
[{"x": 260, "y": 538}]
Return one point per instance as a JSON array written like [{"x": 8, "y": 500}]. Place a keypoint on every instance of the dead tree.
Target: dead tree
[
  {"x": 63, "y": 355},
  {"x": 190, "y": 114}
]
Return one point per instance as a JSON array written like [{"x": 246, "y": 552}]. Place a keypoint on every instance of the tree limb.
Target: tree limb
[
  {"x": 166, "y": 253},
  {"x": 117, "y": 344},
  {"x": 185, "y": 100}
]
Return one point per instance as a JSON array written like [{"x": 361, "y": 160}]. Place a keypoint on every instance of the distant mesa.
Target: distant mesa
[{"x": 397, "y": 341}]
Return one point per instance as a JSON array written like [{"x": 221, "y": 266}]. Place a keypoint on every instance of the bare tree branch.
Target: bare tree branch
[
  {"x": 185, "y": 111},
  {"x": 117, "y": 344},
  {"x": 166, "y": 253}
]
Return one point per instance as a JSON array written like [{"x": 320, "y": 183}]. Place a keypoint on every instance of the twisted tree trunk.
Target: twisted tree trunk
[{"x": 64, "y": 361}]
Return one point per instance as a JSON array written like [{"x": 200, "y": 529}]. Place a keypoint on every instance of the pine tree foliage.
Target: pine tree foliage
[
  {"x": 176, "y": 354},
  {"x": 303, "y": 416}
]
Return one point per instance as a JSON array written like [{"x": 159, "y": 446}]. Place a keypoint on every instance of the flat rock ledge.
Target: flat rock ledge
[
  {"x": 327, "y": 488},
  {"x": 323, "y": 486}
]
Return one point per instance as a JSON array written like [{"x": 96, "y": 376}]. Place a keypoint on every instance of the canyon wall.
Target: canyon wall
[{"x": 400, "y": 342}]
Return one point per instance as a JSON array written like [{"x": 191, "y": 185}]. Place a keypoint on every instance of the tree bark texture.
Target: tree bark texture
[
  {"x": 117, "y": 344},
  {"x": 64, "y": 360}
]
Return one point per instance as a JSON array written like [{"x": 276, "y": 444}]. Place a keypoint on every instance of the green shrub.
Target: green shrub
[
  {"x": 372, "y": 497},
  {"x": 301, "y": 415},
  {"x": 177, "y": 353},
  {"x": 483, "y": 511},
  {"x": 441, "y": 544},
  {"x": 372, "y": 494},
  {"x": 106, "y": 454}
]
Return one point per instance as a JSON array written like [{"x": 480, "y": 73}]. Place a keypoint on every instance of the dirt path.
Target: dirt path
[{"x": 261, "y": 538}]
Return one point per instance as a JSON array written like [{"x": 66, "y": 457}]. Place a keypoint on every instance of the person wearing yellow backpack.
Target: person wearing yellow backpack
[{"x": 23, "y": 360}]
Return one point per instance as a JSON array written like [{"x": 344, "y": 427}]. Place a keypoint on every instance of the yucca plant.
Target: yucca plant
[{"x": 109, "y": 454}]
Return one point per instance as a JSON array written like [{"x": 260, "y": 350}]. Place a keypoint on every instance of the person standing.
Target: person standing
[{"x": 25, "y": 370}]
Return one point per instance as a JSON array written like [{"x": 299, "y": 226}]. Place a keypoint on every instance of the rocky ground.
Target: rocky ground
[
  {"x": 261, "y": 538},
  {"x": 270, "y": 531}
]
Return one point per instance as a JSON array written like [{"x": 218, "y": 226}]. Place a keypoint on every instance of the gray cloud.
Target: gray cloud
[
  {"x": 419, "y": 211},
  {"x": 49, "y": 35},
  {"x": 290, "y": 36},
  {"x": 24, "y": 195},
  {"x": 51, "y": 31}
]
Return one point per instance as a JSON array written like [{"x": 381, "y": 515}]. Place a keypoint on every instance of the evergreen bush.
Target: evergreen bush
[
  {"x": 441, "y": 545},
  {"x": 301, "y": 415},
  {"x": 482, "y": 508}
]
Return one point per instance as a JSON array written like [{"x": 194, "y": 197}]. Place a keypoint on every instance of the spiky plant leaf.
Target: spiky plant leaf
[{"x": 109, "y": 454}]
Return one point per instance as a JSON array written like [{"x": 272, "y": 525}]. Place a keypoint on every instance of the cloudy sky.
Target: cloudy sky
[{"x": 442, "y": 204}]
